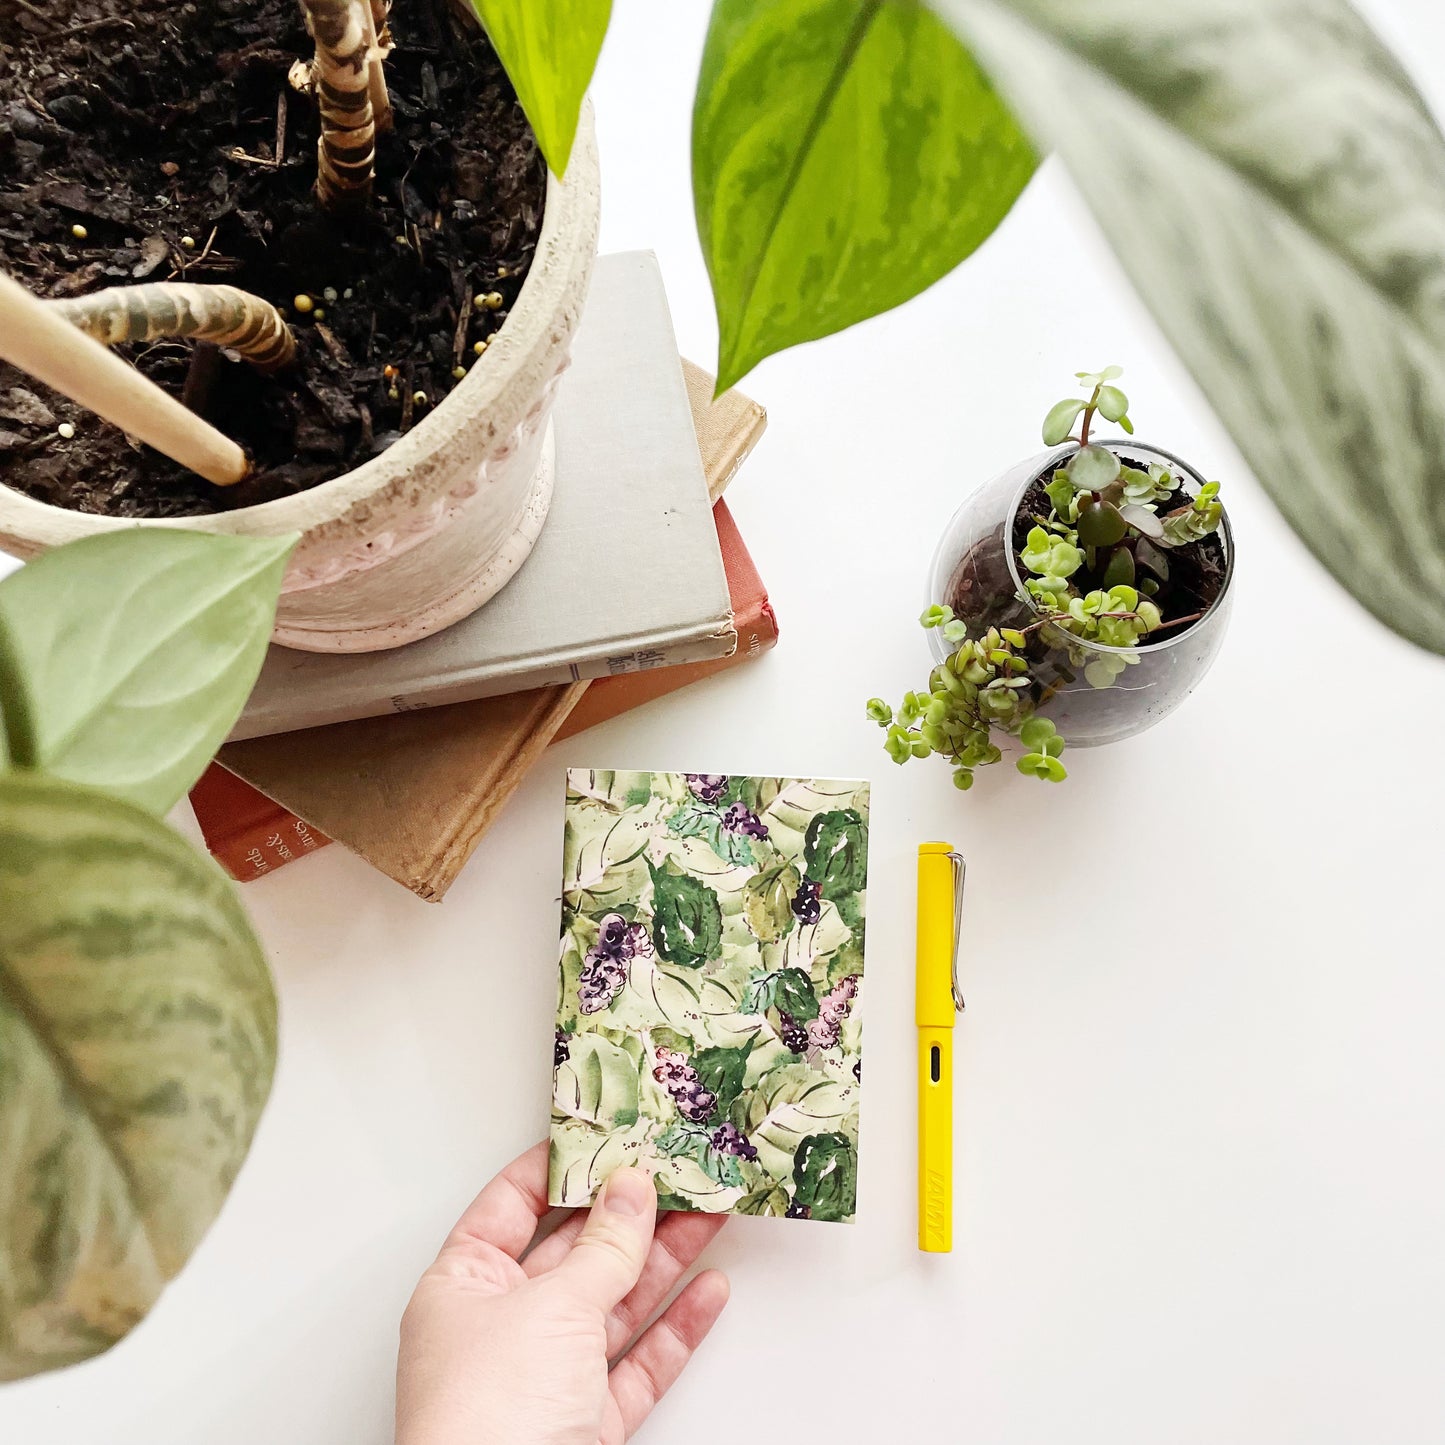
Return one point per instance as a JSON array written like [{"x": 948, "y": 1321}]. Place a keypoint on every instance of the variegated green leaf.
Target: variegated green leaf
[
  {"x": 1275, "y": 187},
  {"x": 768, "y": 899},
  {"x": 137, "y": 1042},
  {"x": 549, "y": 49},
  {"x": 846, "y": 154},
  {"x": 125, "y": 657}
]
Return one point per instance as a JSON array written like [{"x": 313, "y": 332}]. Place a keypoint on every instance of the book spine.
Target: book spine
[
  {"x": 611, "y": 697},
  {"x": 644, "y": 657},
  {"x": 265, "y": 845}
]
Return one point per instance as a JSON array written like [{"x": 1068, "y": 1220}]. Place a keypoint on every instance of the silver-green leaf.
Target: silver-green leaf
[
  {"x": 549, "y": 49},
  {"x": 125, "y": 657},
  {"x": 137, "y": 1043},
  {"x": 1275, "y": 187},
  {"x": 846, "y": 154}
]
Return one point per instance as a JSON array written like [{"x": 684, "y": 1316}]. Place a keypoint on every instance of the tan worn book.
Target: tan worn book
[{"x": 412, "y": 793}]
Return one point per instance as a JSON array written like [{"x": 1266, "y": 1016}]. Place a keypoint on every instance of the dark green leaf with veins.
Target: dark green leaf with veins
[{"x": 686, "y": 918}]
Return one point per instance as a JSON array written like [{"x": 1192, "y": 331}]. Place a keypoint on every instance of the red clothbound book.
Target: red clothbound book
[{"x": 250, "y": 835}]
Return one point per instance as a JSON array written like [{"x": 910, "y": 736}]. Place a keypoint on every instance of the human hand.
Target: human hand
[{"x": 504, "y": 1347}]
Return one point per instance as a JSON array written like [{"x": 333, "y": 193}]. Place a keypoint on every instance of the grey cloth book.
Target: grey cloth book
[{"x": 626, "y": 574}]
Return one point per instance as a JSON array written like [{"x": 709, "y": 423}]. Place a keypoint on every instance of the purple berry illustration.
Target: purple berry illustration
[
  {"x": 679, "y": 1078},
  {"x": 739, "y": 819},
  {"x": 709, "y": 787},
  {"x": 729, "y": 1139},
  {"x": 807, "y": 905},
  {"x": 832, "y": 1010},
  {"x": 559, "y": 1048},
  {"x": 604, "y": 969},
  {"x": 792, "y": 1033}
]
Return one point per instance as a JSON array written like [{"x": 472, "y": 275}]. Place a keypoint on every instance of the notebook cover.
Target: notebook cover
[
  {"x": 709, "y": 1017},
  {"x": 413, "y": 793},
  {"x": 629, "y": 529}
]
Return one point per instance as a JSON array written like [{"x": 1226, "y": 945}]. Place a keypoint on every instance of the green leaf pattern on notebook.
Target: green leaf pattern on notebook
[{"x": 711, "y": 978}]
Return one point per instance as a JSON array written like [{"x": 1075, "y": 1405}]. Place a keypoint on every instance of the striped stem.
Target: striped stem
[
  {"x": 346, "y": 152},
  {"x": 379, "y": 40},
  {"x": 221, "y": 314}
]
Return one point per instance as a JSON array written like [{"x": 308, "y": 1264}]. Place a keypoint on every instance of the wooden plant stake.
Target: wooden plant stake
[{"x": 35, "y": 337}]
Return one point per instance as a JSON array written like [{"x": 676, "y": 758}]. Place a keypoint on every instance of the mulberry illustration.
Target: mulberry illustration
[
  {"x": 792, "y": 1033},
  {"x": 680, "y": 1079},
  {"x": 729, "y": 1139},
  {"x": 807, "y": 906},
  {"x": 560, "y": 1045},
  {"x": 738, "y": 819},
  {"x": 604, "y": 969},
  {"x": 832, "y": 1010},
  {"x": 709, "y": 787}
]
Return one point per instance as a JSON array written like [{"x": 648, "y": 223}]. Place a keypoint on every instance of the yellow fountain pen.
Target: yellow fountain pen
[{"x": 940, "y": 914}]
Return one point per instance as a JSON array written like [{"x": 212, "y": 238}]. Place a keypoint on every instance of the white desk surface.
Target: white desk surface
[{"x": 1201, "y": 1110}]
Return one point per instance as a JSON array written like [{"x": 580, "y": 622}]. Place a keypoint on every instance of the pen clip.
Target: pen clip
[{"x": 960, "y": 873}]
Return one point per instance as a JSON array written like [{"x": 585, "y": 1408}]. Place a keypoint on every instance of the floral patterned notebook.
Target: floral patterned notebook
[{"x": 709, "y": 1015}]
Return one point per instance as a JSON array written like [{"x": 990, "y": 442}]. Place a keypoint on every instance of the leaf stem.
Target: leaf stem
[
  {"x": 1089, "y": 410},
  {"x": 17, "y": 713}
]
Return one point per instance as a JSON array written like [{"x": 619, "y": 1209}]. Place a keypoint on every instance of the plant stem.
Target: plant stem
[
  {"x": 223, "y": 315},
  {"x": 346, "y": 150},
  {"x": 1089, "y": 411},
  {"x": 376, "y": 14}
]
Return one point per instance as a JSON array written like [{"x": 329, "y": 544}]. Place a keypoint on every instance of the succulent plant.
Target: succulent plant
[{"x": 1098, "y": 572}]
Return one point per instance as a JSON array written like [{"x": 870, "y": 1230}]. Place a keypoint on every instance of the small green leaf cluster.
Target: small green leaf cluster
[
  {"x": 984, "y": 684},
  {"x": 1104, "y": 544},
  {"x": 1104, "y": 398},
  {"x": 1189, "y": 523}
]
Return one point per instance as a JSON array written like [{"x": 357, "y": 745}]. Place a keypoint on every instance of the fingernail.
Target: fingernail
[{"x": 629, "y": 1191}]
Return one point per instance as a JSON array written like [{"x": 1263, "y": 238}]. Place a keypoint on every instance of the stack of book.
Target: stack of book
[{"x": 639, "y": 585}]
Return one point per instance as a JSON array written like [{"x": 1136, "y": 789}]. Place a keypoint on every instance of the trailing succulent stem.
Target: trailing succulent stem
[
  {"x": 345, "y": 32},
  {"x": 1099, "y": 573},
  {"x": 224, "y": 315}
]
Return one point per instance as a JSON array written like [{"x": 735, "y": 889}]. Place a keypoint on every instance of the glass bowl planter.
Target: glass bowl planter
[{"x": 976, "y": 572}]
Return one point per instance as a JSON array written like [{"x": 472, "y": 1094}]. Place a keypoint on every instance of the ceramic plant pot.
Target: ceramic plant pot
[
  {"x": 423, "y": 534},
  {"x": 976, "y": 571}
]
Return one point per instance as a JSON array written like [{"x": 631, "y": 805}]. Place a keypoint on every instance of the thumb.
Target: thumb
[{"x": 608, "y": 1256}]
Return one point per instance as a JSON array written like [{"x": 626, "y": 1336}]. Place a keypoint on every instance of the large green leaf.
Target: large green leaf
[
  {"x": 549, "y": 49},
  {"x": 687, "y": 921},
  {"x": 125, "y": 657},
  {"x": 836, "y": 849},
  {"x": 597, "y": 1083},
  {"x": 825, "y": 1176},
  {"x": 1276, "y": 190},
  {"x": 137, "y": 1042},
  {"x": 845, "y": 155}
]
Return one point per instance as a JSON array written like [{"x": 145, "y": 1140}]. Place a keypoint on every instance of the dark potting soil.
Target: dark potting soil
[
  {"x": 982, "y": 589},
  {"x": 170, "y": 135}
]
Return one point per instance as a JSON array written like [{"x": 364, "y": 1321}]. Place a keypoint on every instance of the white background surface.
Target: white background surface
[{"x": 1201, "y": 1111}]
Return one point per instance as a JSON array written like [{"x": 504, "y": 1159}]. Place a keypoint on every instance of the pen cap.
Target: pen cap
[{"x": 934, "y": 1004}]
